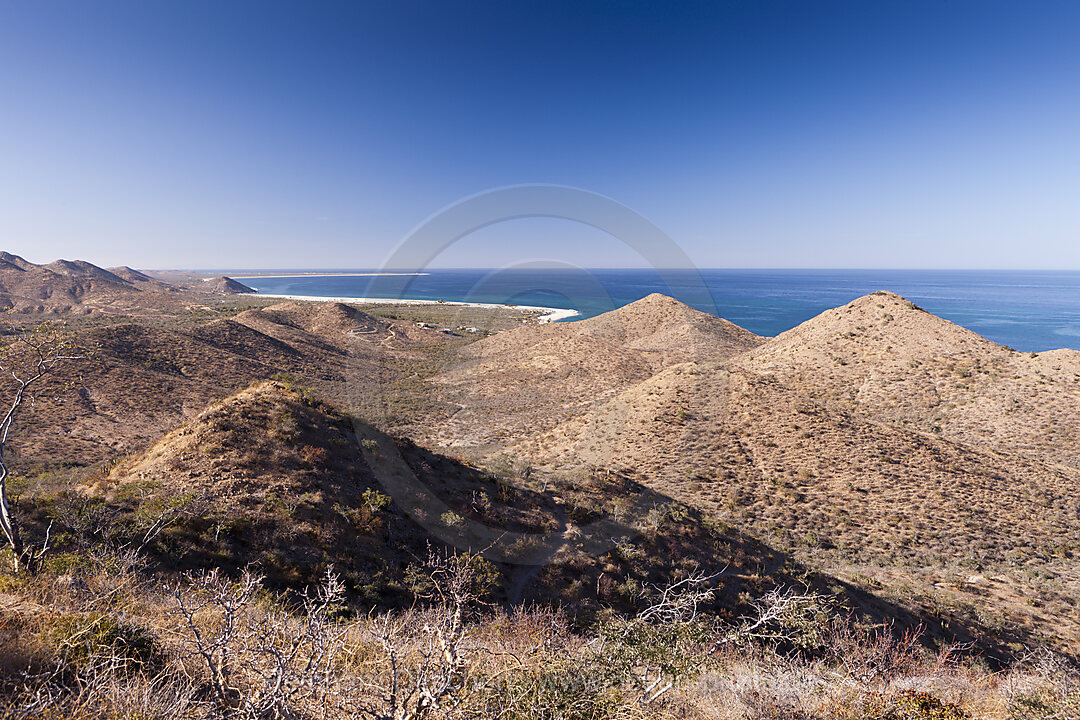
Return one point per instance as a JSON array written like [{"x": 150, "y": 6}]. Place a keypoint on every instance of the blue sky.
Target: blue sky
[{"x": 204, "y": 134}]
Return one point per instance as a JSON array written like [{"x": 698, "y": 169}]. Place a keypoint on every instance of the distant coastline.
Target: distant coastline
[
  {"x": 252, "y": 276},
  {"x": 1032, "y": 311},
  {"x": 547, "y": 314}
]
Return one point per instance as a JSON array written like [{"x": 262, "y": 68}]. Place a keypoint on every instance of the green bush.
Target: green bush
[
  {"x": 915, "y": 705},
  {"x": 572, "y": 690},
  {"x": 64, "y": 563},
  {"x": 375, "y": 500},
  {"x": 81, "y": 639}
]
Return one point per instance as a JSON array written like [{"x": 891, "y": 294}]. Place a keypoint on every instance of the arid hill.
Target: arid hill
[
  {"x": 884, "y": 358},
  {"x": 81, "y": 268},
  {"x": 662, "y": 329},
  {"x": 840, "y": 491},
  {"x": 130, "y": 274},
  {"x": 529, "y": 379},
  {"x": 227, "y": 286},
  {"x": 622, "y": 457},
  {"x": 142, "y": 280},
  {"x": 76, "y": 287},
  {"x": 875, "y": 444},
  {"x": 798, "y": 440},
  {"x": 272, "y": 476},
  {"x": 329, "y": 324},
  {"x": 145, "y": 378},
  {"x": 16, "y": 261},
  {"x": 754, "y": 449}
]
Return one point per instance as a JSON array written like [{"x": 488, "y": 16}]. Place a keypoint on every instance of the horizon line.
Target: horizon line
[{"x": 370, "y": 270}]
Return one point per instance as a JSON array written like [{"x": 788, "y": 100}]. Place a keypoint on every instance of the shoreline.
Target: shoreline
[
  {"x": 549, "y": 314},
  {"x": 253, "y": 276}
]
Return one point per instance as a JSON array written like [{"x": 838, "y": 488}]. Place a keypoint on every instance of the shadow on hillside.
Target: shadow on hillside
[
  {"x": 332, "y": 515},
  {"x": 658, "y": 539}
]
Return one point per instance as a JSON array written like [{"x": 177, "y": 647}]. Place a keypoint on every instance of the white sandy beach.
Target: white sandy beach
[
  {"x": 549, "y": 314},
  {"x": 253, "y": 276}
]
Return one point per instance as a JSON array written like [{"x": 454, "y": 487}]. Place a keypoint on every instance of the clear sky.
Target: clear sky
[{"x": 216, "y": 133}]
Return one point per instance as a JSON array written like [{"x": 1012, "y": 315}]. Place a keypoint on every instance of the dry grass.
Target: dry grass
[
  {"x": 522, "y": 382},
  {"x": 839, "y": 491},
  {"x": 885, "y": 359},
  {"x": 108, "y": 642},
  {"x": 910, "y": 470}
]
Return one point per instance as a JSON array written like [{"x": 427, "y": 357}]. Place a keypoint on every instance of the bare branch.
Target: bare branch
[{"x": 27, "y": 357}]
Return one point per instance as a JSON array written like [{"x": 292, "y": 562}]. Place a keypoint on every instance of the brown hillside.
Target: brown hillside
[
  {"x": 16, "y": 261},
  {"x": 772, "y": 460},
  {"x": 258, "y": 413},
  {"x": 146, "y": 378},
  {"x": 830, "y": 486},
  {"x": 516, "y": 383},
  {"x": 884, "y": 358},
  {"x": 226, "y": 285},
  {"x": 285, "y": 479},
  {"x": 274, "y": 479},
  {"x": 367, "y": 353},
  {"x": 130, "y": 274},
  {"x": 333, "y": 323},
  {"x": 664, "y": 329},
  {"x": 142, "y": 382},
  {"x": 141, "y": 279},
  {"x": 288, "y": 483},
  {"x": 81, "y": 268},
  {"x": 79, "y": 288}
]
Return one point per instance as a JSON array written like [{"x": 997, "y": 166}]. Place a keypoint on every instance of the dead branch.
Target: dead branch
[{"x": 24, "y": 361}]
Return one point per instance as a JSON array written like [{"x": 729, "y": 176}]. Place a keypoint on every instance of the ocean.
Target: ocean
[{"x": 1026, "y": 310}]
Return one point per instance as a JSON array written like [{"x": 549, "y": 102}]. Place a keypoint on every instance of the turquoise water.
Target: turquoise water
[{"x": 1027, "y": 310}]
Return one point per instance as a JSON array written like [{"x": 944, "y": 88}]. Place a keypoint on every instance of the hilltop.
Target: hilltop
[
  {"x": 78, "y": 287},
  {"x": 531, "y": 378},
  {"x": 662, "y": 329},
  {"x": 884, "y": 358},
  {"x": 273, "y": 476},
  {"x": 227, "y": 285}
]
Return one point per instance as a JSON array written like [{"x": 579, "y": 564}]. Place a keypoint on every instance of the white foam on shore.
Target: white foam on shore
[
  {"x": 264, "y": 276},
  {"x": 550, "y": 314}
]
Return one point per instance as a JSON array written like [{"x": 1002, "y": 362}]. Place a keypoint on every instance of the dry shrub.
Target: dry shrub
[
  {"x": 873, "y": 655},
  {"x": 1042, "y": 686},
  {"x": 116, "y": 645}
]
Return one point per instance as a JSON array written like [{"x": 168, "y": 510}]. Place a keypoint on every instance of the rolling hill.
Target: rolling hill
[
  {"x": 273, "y": 477},
  {"x": 227, "y": 285},
  {"x": 802, "y": 439},
  {"x": 78, "y": 287},
  {"x": 884, "y": 358},
  {"x": 146, "y": 377},
  {"x": 529, "y": 379}
]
